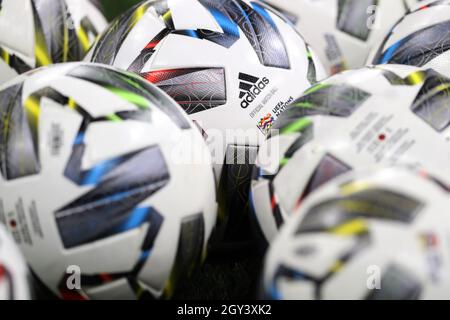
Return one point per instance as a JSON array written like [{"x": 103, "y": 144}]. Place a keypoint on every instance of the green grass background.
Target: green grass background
[{"x": 115, "y": 7}]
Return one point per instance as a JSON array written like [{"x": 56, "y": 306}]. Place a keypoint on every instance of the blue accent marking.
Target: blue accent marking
[
  {"x": 190, "y": 33},
  {"x": 95, "y": 175},
  {"x": 144, "y": 255},
  {"x": 263, "y": 13},
  {"x": 252, "y": 206},
  {"x": 79, "y": 139},
  {"x": 390, "y": 52},
  {"x": 137, "y": 217},
  {"x": 116, "y": 197},
  {"x": 228, "y": 26},
  {"x": 299, "y": 276},
  {"x": 274, "y": 293},
  {"x": 244, "y": 14}
]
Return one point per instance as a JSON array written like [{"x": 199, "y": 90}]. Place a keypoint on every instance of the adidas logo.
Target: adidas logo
[{"x": 250, "y": 87}]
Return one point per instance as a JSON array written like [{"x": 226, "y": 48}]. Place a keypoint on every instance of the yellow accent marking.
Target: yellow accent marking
[
  {"x": 168, "y": 289},
  {"x": 138, "y": 14},
  {"x": 33, "y": 109},
  {"x": 42, "y": 56},
  {"x": 416, "y": 77},
  {"x": 337, "y": 266},
  {"x": 167, "y": 15},
  {"x": 5, "y": 56},
  {"x": 354, "y": 187},
  {"x": 440, "y": 112},
  {"x": 6, "y": 125},
  {"x": 72, "y": 104},
  {"x": 84, "y": 39},
  {"x": 139, "y": 292},
  {"x": 41, "y": 52},
  {"x": 353, "y": 227},
  {"x": 66, "y": 44}
]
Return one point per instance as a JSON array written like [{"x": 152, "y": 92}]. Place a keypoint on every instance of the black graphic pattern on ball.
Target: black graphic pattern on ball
[
  {"x": 187, "y": 257},
  {"x": 353, "y": 17},
  {"x": 328, "y": 168},
  {"x": 323, "y": 99},
  {"x": 236, "y": 176},
  {"x": 418, "y": 48},
  {"x": 121, "y": 184},
  {"x": 432, "y": 103},
  {"x": 234, "y": 16},
  {"x": 195, "y": 89},
  {"x": 19, "y": 156},
  {"x": 56, "y": 24},
  {"x": 133, "y": 88},
  {"x": 199, "y": 89},
  {"x": 56, "y": 39},
  {"x": 284, "y": 14}
]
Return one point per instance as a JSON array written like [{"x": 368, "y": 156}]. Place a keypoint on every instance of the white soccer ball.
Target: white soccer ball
[
  {"x": 421, "y": 38},
  {"x": 343, "y": 33},
  {"x": 96, "y": 176},
  {"x": 233, "y": 66},
  {"x": 13, "y": 269},
  {"x": 50, "y": 31},
  {"x": 372, "y": 116},
  {"x": 379, "y": 235}
]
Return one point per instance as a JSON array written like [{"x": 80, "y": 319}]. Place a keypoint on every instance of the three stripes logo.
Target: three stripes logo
[{"x": 250, "y": 87}]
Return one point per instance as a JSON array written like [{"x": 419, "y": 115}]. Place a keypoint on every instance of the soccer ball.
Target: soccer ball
[
  {"x": 342, "y": 32},
  {"x": 13, "y": 269},
  {"x": 421, "y": 38},
  {"x": 50, "y": 31},
  {"x": 96, "y": 175},
  {"x": 232, "y": 65},
  {"x": 379, "y": 236},
  {"x": 372, "y": 116}
]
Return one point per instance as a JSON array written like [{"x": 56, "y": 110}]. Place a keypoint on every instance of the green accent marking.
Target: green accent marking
[
  {"x": 284, "y": 161},
  {"x": 131, "y": 82},
  {"x": 114, "y": 118},
  {"x": 305, "y": 104},
  {"x": 297, "y": 126},
  {"x": 442, "y": 87},
  {"x": 317, "y": 87},
  {"x": 134, "y": 98}
]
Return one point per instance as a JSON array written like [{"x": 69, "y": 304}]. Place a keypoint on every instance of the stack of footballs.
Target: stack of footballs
[{"x": 224, "y": 128}]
